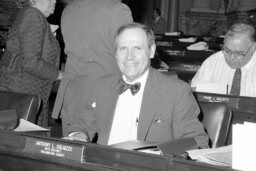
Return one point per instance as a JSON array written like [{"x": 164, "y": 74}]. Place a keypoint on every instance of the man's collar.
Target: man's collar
[{"x": 142, "y": 79}]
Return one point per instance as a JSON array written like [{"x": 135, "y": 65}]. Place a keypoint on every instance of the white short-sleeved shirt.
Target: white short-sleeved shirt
[{"x": 215, "y": 72}]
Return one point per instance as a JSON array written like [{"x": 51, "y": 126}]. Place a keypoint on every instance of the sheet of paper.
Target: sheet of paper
[
  {"x": 213, "y": 88},
  {"x": 172, "y": 33},
  {"x": 25, "y": 125},
  {"x": 198, "y": 46},
  {"x": 54, "y": 27},
  {"x": 140, "y": 146},
  {"x": 151, "y": 151},
  {"x": 244, "y": 148},
  {"x": 221, "y": 156}
]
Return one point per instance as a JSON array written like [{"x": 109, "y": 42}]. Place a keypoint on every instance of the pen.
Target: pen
[{"x": 227, "y": 89}]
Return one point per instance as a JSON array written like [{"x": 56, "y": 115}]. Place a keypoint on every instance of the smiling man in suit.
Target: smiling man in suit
[{"x": 141, "y": 103}]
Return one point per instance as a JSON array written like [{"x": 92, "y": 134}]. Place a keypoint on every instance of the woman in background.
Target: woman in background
[{"x": 31, "y": 60}]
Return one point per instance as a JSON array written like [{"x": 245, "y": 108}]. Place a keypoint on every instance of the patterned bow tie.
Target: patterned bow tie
[{"x": 123, "y": 86}]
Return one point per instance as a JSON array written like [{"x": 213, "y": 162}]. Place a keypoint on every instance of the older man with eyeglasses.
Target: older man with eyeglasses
[{"x": 231, "y": 70}]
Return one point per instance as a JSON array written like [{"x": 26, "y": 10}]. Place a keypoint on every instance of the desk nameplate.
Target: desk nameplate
[
  {"x": 233, "y": 102},
  {"x": 55, "y": 149}
]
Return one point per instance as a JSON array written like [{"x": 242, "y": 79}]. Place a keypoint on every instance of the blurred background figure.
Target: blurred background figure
[
  {"x": 88, "y": 29},
  {"x": 30, "y": 61},
  {"x": 159, "y": 24}
]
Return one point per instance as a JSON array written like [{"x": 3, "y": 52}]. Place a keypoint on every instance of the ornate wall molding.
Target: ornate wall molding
[{"x": 211, "y": 24}]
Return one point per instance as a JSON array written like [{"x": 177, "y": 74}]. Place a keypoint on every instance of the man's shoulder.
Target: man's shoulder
[
  {"x": 168, "y": 87},
  {"x": 31, "y": 12},
  {"x": 93, "y": 6},
  {"x": 102, "y": 2},
  {"x": 168, "y": 80},
  {"x": 217, "y": 56}
]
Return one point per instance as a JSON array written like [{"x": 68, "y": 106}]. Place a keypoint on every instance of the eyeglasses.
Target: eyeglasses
[{"x": 240, "y": 54}]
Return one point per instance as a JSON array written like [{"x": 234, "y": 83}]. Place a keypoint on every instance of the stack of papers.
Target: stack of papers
[
  {"x": 198, "y": 46},
  {"x": 217, "y": 88},
  {"x": 189, "y": 40},
  {"x": 244, "y": 148},
  {"x": 172, "y": 33},
  {"x": 221, "y": 156}
]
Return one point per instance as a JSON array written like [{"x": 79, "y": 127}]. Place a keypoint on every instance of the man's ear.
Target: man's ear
[{"x": 152, "y": 50}]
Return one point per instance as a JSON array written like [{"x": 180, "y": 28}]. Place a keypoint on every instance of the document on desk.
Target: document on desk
[
  {"x": 244, "y": 148},
  {"x": 189, "y": 40},
  {"x": 25, "y": 126},
  {"x": 221, "y": 156},
  {"x": 172, "y": 33},
  {"x": 213, "y": 88},
  {"x": 146, "y": 147},
  {"x": 134, "y": 145}
]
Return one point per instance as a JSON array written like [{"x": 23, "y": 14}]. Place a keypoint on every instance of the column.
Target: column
[
  {"x": 165, "y": 8},
  {"x": 173, "y": 14}
]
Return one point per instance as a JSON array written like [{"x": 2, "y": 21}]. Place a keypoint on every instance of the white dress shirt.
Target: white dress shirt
[
  {"x": 126, "y": 117},
  {"x": 215, "y": 71}
]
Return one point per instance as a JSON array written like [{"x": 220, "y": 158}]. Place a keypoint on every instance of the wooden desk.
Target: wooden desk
[
  {"x": 187, "y": 165},
  {"x": 244, "y": 108},
  {"x": 215, "y": 39},
  {"x": 214, "y": 43},
  {"x": 95, "y": 157},
  {"x": 19, "y": 161},
  {"x": 184, "y": 56},
  {"x": 184, "y": 62}
]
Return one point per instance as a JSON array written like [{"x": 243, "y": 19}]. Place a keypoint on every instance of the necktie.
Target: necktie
[
  {"x": 235, "y": 89},
  {"x": 123, "y": 86}
]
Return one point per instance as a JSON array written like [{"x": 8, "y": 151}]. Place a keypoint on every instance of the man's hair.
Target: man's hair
[
  {"x": 241, "y": 28},
  {"x": 148, "y": 31}
]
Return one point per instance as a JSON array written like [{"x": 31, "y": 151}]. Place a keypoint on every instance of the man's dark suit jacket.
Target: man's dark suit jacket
[{"x": 169, "y": 111}]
